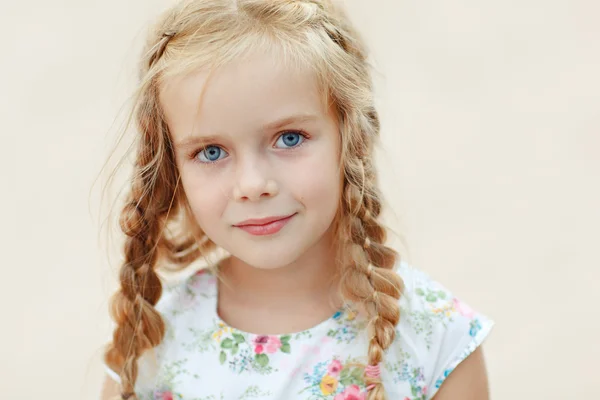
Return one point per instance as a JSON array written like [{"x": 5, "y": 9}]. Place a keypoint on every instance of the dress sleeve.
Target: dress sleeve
[
  {"x": 446, "y": 329},
  {"x": 464, "y": 333}
]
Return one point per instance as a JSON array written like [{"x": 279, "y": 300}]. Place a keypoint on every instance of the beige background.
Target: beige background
[{"x": 491, "y": 162}]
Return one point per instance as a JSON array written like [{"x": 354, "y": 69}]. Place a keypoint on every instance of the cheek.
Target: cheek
[
  {"x": 318, "y": 184},
  {"x": 206, "y": 199}
]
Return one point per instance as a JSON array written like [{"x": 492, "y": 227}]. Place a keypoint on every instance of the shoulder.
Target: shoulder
[
  {"x": 183, "y": 300},
  {"x": 437, "y": 331},
  {"x": 426, "y": 299},
  {"x": 183, "y": 295}
]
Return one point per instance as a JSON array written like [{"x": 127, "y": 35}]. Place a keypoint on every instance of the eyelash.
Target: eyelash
[{"x": 194, "y": 155}]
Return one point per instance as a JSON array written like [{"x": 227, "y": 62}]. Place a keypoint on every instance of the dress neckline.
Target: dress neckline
[{"x": 324, "y": 325}]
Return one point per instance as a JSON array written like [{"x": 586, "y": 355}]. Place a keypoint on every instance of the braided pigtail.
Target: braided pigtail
[
  {"x": 139, "y": 327},
  {"x": 156, "y": 220},
  {"x": 368, "y": 276}
]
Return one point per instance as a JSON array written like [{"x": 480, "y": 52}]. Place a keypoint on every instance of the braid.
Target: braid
[
  {"x": 368, "y": 276},
  {"x": 139, "y": 326}
]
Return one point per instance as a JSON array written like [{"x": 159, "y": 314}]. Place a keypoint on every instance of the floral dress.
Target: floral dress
[{"x": 202, "y": 358}]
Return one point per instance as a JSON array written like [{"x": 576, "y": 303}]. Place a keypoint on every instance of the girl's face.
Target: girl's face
[{"x": 258, "y": 156}]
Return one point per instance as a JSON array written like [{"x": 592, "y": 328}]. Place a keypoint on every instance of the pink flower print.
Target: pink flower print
[
  {"x": 352, "y": 392},
  {"x": 325, "y": 339},
  {"x": 463, "y": 309},
  {"x": 266, "y": 344},
  {"x": 273, "y": 344},
  {"x": 196, "y": 280},
  {"x": 160, "y": 395},
  {"x": 334, "y": 368},
  {"x": 259, "y": 344}
]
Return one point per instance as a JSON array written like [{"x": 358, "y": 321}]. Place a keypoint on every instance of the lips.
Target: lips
[
  {"x": 264, "y": 226},
  {"x": 261, "y": 221}
]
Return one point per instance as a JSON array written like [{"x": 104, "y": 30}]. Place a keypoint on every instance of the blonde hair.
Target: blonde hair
[{"x": 195, "y": 34}]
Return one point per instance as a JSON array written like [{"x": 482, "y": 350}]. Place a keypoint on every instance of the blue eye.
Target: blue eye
[
  {"x": 289, "y": 139},
  {"x": 211, "y": 154}
]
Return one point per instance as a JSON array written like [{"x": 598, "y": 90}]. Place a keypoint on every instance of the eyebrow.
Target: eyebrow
[{"x": 277, "y": 124}]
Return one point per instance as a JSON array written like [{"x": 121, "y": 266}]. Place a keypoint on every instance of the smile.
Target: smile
[{"x": 264, "y": 226}]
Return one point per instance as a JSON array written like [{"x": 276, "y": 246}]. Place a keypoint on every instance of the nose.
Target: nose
[{"x": 253, "y": 182}]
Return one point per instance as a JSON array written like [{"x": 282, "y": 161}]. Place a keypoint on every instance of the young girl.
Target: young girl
[{"x": 256, "y": 132}]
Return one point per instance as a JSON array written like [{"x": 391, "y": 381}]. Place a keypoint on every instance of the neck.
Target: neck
[{"x": 312, "y": 276}]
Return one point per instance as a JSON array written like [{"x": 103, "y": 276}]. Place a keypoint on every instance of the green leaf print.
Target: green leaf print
[
  {"x": 413, "y": 390},
  {"x": 345, "y": 378},
  {"x": 431, "y": 295},
  {"x": 285, "y": 339},
  {"x": 345, "y": 373},
  {"x": 222, "y": 357},
  {"x": 238, "y": 338},
  {"x": 303, "y": 335},
  {"x": 211, "y": 397},
  {"x": 351, "y": 376},
  {"x": 285, "y": 348},
  {"x": 357, "y": 374},
  {"x": 235, "y": 349},
  {"x": 254, "y": 392},
  {"x": 227, "y": 343},
  {"x": 202, "y": 340},
  {"x": 174, "y": 371},
  {"x": 262, "y": 360}
]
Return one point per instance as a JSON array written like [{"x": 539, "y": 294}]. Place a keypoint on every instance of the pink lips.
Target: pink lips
[{"x": 264, "y": 226}]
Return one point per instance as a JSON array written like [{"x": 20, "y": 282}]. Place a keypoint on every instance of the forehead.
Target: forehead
[{"x": 240, "y": 96}]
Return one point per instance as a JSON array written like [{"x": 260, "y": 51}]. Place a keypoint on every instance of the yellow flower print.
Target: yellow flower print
[
  {"x": 328, "y": 385},
  {"x": 222, "y": 330},
  {"x": 447, "y": 310},
  {"x": 351, "y": 315}
]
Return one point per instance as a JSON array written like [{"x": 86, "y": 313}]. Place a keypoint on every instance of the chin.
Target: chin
[
  {"x": 274, "y": 252},
  {"x": 267, "y": 258}
]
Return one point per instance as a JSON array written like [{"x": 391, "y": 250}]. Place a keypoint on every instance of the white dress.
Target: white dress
[{"x": 202, "y": 358}]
